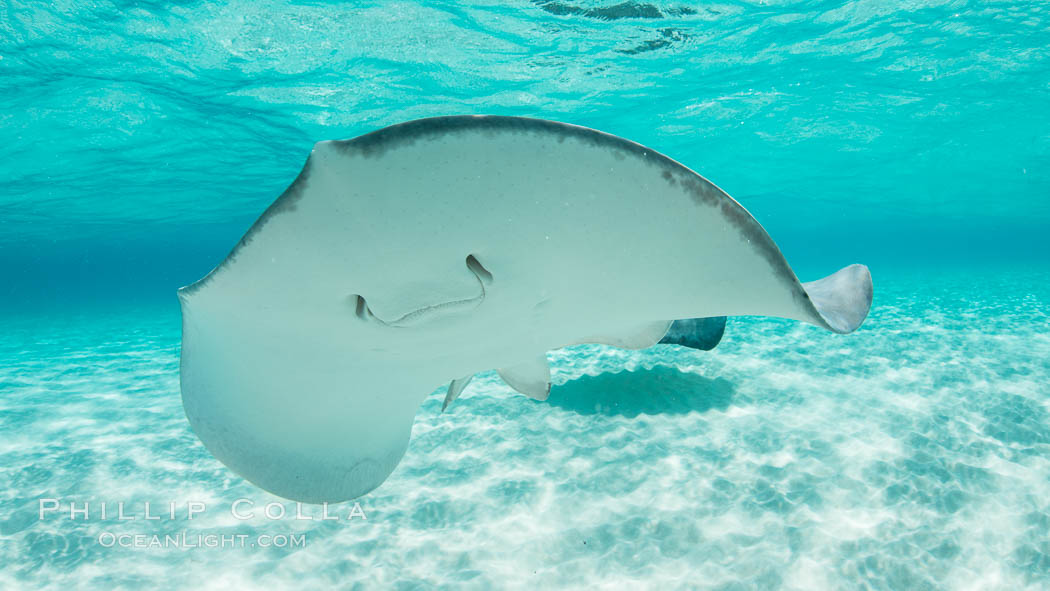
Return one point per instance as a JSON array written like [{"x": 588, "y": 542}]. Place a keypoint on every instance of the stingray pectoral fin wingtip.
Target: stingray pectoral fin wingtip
[{"x": 842, "y": 300}]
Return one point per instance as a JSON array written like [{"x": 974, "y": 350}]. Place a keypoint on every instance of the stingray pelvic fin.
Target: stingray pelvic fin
[
  {"x": 532, "y": 378},
  {"x": 696, "y": 333},
  {"x": 455, "y": 388}
]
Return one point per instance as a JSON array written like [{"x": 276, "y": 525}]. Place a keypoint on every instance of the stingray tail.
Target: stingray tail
[{"x": 841, "y": 300}]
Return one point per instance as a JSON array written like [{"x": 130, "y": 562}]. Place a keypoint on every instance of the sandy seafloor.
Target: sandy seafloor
[{"x": 910, "y": 455}]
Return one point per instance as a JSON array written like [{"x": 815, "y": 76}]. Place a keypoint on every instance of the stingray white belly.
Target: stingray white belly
[{"x": 428, "y": 251}]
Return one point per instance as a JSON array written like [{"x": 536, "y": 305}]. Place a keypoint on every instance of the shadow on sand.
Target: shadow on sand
[{"x": 657, "y": 390}]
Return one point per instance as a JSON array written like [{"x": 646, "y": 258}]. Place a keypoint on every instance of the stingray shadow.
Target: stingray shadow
[{"x": 657, "y": 390}]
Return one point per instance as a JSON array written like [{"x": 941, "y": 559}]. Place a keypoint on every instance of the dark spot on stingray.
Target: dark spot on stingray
[
  {"x": 669, "y": 177},
  {"x": 700, "y": 190}
]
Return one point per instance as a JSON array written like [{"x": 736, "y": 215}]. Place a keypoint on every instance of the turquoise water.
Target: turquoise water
[{"x": 139, "y": 141}]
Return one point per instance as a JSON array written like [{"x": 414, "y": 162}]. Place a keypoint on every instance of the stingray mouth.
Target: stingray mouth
[{"x": 420, "y": 315}]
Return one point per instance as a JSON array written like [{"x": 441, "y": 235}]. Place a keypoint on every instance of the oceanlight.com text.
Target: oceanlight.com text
[{"x": 189, "y": 541}]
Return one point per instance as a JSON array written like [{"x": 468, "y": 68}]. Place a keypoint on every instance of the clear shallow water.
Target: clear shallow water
[
  {"x": 911, "y": 455},
  {"x": 139, "y": 140}
]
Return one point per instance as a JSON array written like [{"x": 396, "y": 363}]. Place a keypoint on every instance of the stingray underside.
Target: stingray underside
[{"x": 418, "y": 255}]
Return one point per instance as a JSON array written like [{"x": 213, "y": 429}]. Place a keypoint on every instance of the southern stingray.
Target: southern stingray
[{"x": 425, "y": 252}]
